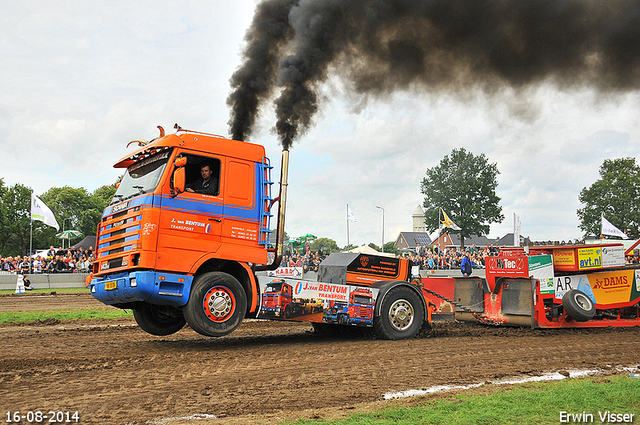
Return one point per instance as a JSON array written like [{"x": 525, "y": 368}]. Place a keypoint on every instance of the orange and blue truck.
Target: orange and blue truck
[{"x": 176, "y": 256}]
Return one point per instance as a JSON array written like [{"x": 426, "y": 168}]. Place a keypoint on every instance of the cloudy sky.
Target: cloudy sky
[{"x": 79, "y": 80}]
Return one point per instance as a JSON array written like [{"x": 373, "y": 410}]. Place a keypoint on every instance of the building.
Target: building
[
  {"x": 418, "y": 220},
  {"x": 408, "y": 241}
]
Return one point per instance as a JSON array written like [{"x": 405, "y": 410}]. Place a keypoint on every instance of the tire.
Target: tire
[
  {"x": 401, "y": 315},
  {"x": 217, "y": 304},
  {"x": 578, "y": 305},
  {"x": 158, "y": 320}
]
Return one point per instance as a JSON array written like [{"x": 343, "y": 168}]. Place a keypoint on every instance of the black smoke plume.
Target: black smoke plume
[{"x": 377, "y": 47}]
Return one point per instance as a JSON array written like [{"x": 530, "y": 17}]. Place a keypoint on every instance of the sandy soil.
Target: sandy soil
[{"x": 111, "y": 372}]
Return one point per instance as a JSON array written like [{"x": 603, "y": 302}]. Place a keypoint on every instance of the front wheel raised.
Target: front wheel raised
[
  {"x": 217, "y": 304},
  {"x": 158, "y": 320},
  {"x": 401, "y": 315}
]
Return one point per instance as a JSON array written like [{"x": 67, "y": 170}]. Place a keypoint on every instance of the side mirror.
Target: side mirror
[{"x": 179, "y": 179}]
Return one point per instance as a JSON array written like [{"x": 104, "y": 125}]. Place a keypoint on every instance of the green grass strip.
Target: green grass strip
[
  {"x": 530, "y": 403},
  {"x": 41, "y": 291},
  {"x": 15, "y": 317}
]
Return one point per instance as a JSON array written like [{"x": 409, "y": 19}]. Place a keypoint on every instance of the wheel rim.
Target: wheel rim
[
  {"x": 219, "y": 303},
  {"x": 583, "y": 301},
  {"x": 401, "y": 315}
]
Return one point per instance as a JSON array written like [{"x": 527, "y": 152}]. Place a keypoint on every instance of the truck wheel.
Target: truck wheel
[
  {"x": 401, "y": 315},
  {"x": 287, "y": 311},
  {"x": 158, "y": 320},
  {"x": 578, "y": 305},
  {"x": 217, "y": 304}
]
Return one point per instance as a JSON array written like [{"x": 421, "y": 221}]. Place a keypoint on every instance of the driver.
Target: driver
[{"x": 208, "y": 185}]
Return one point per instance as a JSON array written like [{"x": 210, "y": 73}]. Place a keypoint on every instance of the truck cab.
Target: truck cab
[{"x": 156, "y": 240}]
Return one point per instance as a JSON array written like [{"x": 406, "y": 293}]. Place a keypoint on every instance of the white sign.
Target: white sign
[
  {"x": 612, "y": 256},
  {"x": 285, "y": 272}
]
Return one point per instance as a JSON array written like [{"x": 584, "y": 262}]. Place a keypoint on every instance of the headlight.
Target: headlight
[{"x": 133, "y": 282}]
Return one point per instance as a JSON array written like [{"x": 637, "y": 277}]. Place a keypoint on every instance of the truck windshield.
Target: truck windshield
[{"x": 142, "y": 177}]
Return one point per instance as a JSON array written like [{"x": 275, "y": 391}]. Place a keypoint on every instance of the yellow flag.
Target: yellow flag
[{"x": 448, "y": 223}]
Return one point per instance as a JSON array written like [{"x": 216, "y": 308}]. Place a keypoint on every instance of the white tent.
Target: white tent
[{"x": 366, "y": 249}]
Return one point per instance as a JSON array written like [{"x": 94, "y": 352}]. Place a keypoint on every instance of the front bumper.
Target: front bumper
[{"x": 142, "y": 286}]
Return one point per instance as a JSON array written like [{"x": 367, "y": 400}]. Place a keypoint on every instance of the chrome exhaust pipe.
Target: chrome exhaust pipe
[{"x": 282, "y": 207}]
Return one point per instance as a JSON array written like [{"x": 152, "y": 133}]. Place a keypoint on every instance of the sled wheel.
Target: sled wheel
[
  {"x": 401, "y": 315},
  {"x": 158, "y": 319},
  {"x": 578, "y": 305},
  {"x": 217, "y": 304}
]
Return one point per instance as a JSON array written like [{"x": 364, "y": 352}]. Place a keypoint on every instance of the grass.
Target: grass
[
  {"x": 41, "y": 291},
  {"x": 16, "y": 317},
  {"x": 530, "y": 403},
  {"x": 100, "y": 313}
]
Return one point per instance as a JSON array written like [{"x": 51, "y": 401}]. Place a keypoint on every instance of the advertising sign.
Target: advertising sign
[
  {"x": 285, "y": 272},
  {"x": 302, "y": 300},
  {"x": 541, "y": 268},
  {"x": 564, "y": 259},
  {"x": 604, "y": 288},
  {"x": 613, "y": 256},
  {"x": 589, "y": 258}
]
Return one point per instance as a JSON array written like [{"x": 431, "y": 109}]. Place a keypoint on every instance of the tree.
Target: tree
[
  {"x": 390, "y": 247},
  {"x": 15, "y": 217},
  {"x": 464, "y": 185},
  {"x": 76, "y": 208},
  {"x": 325, "y": 245},
  {"x": 616, "y": 195}
]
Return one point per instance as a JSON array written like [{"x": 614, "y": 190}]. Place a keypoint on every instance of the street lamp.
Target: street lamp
[{"x": 378, "y": 206}]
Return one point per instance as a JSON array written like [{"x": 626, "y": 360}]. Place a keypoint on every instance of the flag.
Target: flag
[
  {"x": 350, "y": 215},
  {"x": 516, "y": 230},
  {"x": 41, "y": 212},
  {"x": 448, "y": 223},
  {"x": 610, "y": 229}
]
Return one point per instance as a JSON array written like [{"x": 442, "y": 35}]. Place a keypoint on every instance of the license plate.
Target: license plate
[{"x": 111, "y": 285}]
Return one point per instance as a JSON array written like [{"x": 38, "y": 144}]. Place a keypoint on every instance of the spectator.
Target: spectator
[
  {"x": 465, "y": 264},
  {"x": 27, "y": 283}
]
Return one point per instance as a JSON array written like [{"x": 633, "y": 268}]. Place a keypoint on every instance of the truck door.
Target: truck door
[
  {"x": 241, "y": 212},
  {"x": 191, "y": 223}
]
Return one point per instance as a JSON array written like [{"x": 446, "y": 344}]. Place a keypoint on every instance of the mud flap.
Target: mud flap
[{"x": 469, "y": 292}]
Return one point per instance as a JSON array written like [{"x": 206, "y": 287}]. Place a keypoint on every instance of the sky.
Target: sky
[{"x": 79, "y": 80}]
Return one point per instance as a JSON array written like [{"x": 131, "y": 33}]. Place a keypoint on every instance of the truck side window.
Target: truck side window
[{"x": 203, "y": 175}]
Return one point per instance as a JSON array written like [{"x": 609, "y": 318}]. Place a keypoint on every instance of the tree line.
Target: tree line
[{"x": 74, "y": 208}]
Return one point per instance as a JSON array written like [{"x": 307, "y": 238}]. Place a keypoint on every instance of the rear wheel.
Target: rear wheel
[
  {"x": 217, "y": 304},
  {"x": 578, "y": 305},
  {"x": 158, "y": 319},
  {"x": 401, "y": 315}
]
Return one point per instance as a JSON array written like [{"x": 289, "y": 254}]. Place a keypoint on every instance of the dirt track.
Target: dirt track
[{"x": 114, "y": 373}]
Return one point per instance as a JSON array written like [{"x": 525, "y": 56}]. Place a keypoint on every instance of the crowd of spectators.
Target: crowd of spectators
[
  {"x": 430, "y": 258},
  {"x": 54, "y": 260},
  {"x": 425, "y": 257},
  {"x": 307, "y": 259}
]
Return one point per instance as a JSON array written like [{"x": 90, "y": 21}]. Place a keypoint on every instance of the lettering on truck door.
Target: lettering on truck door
[{"x": 191, "y": 223}]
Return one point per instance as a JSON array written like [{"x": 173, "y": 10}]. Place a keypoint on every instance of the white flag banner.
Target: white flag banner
[
  {"x": 516, "y": 230},
  {"x": 41, "y": 212},
  {"x": 611, "y": 230},
  {"x": 350, "y": 215}
]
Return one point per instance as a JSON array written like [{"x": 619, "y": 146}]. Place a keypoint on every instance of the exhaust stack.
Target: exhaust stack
[{"x": 282, "y": 207}]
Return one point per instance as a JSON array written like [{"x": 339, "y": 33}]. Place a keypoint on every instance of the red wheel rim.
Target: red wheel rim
[{"x": 219, "y": 303}]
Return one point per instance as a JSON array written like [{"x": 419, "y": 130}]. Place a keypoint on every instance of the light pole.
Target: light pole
[{"x": 378, "y": 206}]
